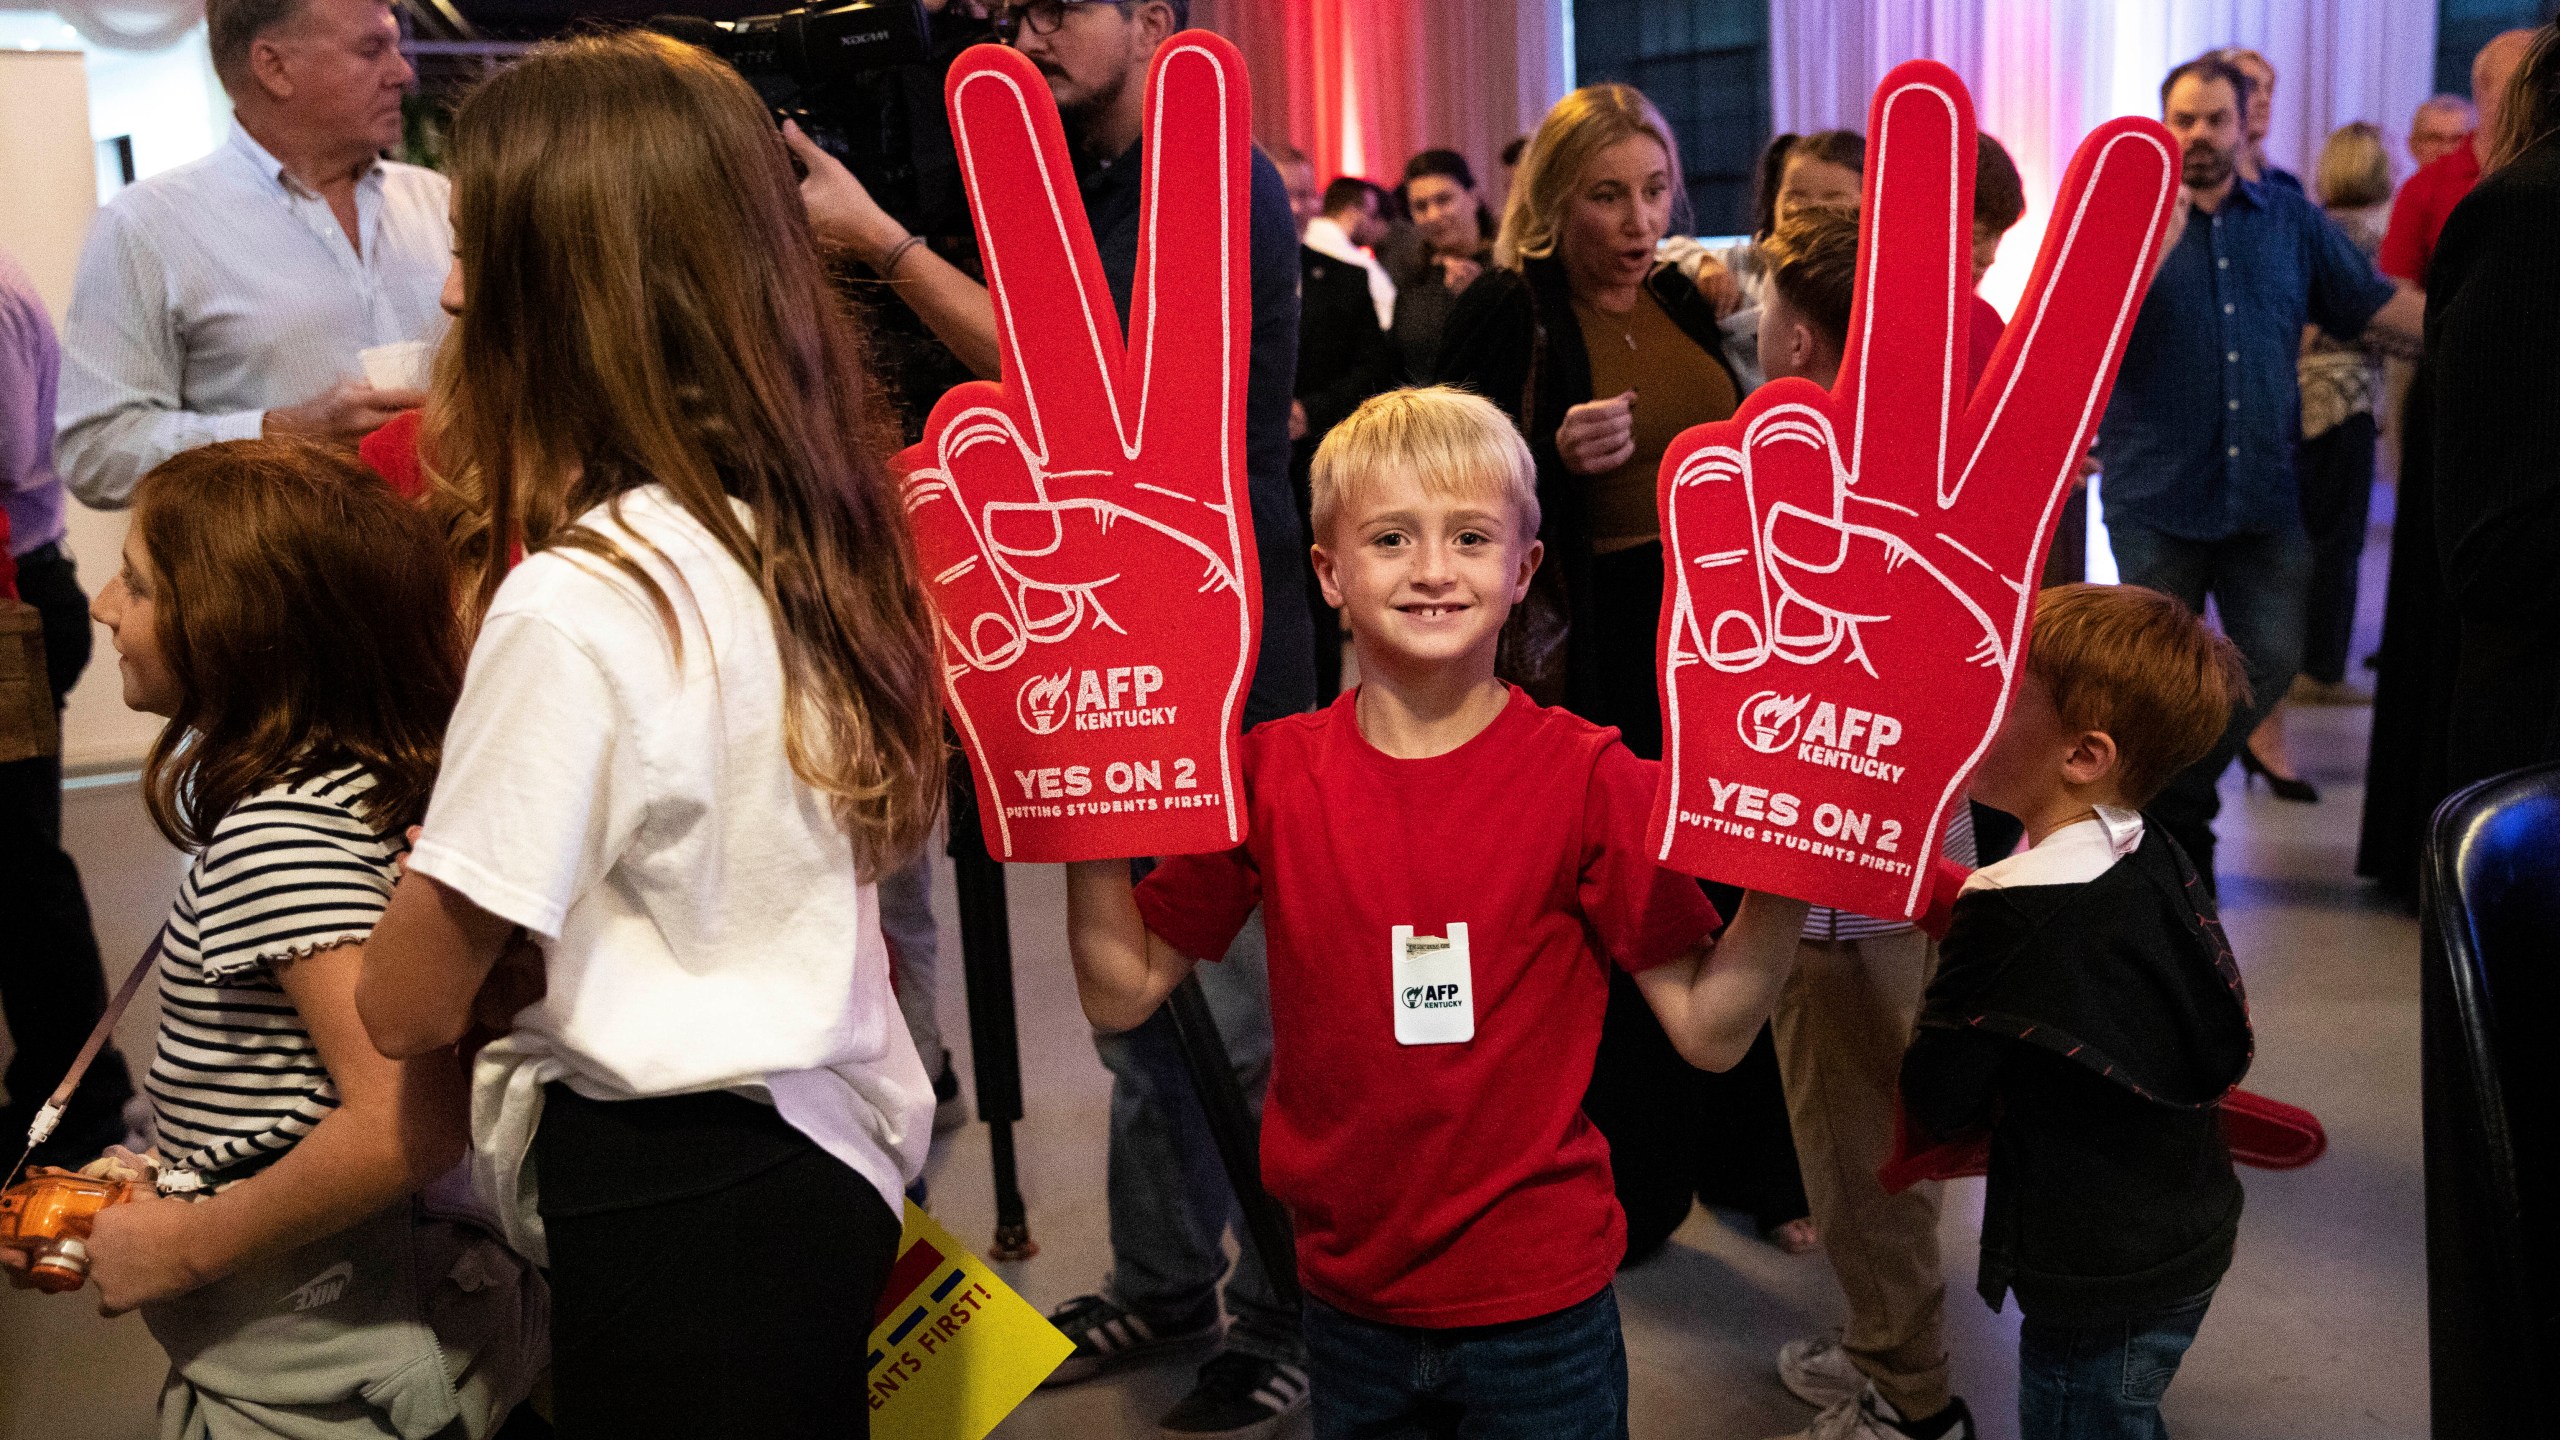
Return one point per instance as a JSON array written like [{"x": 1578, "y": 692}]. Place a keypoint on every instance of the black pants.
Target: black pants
[
  {"x": 1676, "y": 1133},
  {"x": 713, "y": 1272},
  {"x": 2413, "y": 690},
  {"x": 51, "y": 984},
  {"x": 2506, "y": 696},
  {"x": 2336, "y": 468},
  {"x": 1626, "y": 609}
]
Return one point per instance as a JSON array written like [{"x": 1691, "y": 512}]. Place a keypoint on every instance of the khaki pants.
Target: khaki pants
[{"x": 1842, "y": 1024}]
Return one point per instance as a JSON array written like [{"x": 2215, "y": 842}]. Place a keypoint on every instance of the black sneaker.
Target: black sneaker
[
  {"x": 1239, "y": 1397},
  {"x": 1108, "y": 1335}
]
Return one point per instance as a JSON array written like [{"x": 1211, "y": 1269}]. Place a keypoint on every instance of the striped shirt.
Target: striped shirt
[
  {"x": 223, "y": 289},
  {"x": 292, "y": 870},
  {"x": 1829, "y": 926}
]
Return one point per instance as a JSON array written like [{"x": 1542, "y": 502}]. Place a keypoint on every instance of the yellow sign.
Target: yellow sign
[{"x": 953, "y": 1349}]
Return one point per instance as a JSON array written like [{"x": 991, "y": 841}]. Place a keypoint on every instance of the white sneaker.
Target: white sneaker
[
  {"x": 1869, "y": 1416},
  {"x": 1819, "y": 1372}
]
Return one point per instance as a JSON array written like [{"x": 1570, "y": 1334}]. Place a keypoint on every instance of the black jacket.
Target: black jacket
[
  {"x": 1343, "y": 356},
  {"x": 2493, "y": 340},
  {"x": 2096, "y": 1028},
  {"x": 1423, "y": 306},
  {"x": 1513, "y": 339}
]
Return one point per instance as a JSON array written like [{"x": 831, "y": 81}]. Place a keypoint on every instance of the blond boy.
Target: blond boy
[{"x": 1446, "y": 871}]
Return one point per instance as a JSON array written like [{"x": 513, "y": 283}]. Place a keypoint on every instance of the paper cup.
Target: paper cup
[{"x": 402, "y": 366}]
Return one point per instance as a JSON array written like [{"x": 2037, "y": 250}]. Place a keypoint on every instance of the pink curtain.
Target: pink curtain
[
  {"x": 2043, "y": 72},
  {"x": 1360, "y": 85}
]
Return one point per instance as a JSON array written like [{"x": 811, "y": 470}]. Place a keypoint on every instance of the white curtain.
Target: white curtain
[
  {"x": 122, "y": 24},
  {"x": 2043, "y": 72}
]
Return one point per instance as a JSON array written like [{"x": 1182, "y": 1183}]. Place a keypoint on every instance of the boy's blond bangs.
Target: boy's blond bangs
[{"x": 1453, "y": 444}]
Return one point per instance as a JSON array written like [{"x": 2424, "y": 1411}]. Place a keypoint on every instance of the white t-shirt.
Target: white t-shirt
[{"x": 701, "y": 923}]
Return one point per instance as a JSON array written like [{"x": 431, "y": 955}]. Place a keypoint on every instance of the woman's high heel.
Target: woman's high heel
[{"x": 2286, "y": 787}]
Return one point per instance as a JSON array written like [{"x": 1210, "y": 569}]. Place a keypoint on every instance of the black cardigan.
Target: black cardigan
[
  {"x": 2493, "y": 340},
  {"x": 1513, "y": 339},
  {"x": 2096, "y": 1028}
]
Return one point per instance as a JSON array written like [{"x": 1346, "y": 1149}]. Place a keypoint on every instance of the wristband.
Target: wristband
[{"x": 889, "y": 267}]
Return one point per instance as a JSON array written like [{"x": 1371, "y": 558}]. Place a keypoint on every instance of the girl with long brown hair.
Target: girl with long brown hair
[
  {"x": 699, "y": 721},
  {"x": 293, "y": 620}
]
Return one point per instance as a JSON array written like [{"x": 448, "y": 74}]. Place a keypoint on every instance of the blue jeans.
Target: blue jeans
[
  {"x": 915, "y": 945},
  {"x": 2261, "y": 588},
  {"x": 1561, "y": 1376},
  {"x": 1170, "y": 1203},
  {"x": 2102, "y": 1382}
]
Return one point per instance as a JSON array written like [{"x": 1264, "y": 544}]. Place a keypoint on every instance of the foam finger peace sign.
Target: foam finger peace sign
[
  {"x": 1083, "y": 523},
  {"x": 1850, "y": 574}
]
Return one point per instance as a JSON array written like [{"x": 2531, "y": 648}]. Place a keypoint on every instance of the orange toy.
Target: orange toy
[{"x": 48, "y": 1215}]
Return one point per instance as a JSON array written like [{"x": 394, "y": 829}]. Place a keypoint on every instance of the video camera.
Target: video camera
[{"x": 863, "y": 80}]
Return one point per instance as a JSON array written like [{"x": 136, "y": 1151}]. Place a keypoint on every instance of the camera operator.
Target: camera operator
[{"x": 1168, "y": 1201}]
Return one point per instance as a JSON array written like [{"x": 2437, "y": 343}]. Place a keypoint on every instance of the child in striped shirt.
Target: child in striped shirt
[{"x": 295, "y": 622}]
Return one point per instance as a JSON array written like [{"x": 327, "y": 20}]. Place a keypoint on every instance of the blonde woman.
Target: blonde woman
[
  {"x": 1558, "y": 333},
  {"x": 2340, "y": 384},
  {"x": 697, "y": 722}
]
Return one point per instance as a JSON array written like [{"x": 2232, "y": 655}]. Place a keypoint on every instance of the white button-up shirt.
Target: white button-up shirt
[
  {"x": 2073, "y": 855},
  {"x": 223, "y": 289},
  {"x": 1325, "y": 236}
]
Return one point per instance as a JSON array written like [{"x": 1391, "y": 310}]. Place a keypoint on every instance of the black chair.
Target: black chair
[{"x": 2490, "y": 995}]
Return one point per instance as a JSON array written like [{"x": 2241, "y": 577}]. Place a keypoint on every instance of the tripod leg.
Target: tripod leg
[
  {"x": 995, "y": 1054},
  {"x": 1238, "y": 1136}
]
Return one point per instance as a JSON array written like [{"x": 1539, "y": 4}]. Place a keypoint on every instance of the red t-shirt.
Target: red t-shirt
[
  {"x": 392, "y": 451},
  {"x": 1449, "y": 1184},
  {"x": 1982, "y": 338},
  {"x": 2419, "y": 212}
]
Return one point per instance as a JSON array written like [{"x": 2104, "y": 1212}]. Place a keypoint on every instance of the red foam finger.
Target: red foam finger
[
  {"x": 1902, "y": 371},
  {"x": 1715, "y": 607},
  {"x": 2047, "y": 384},
  {"x": 1102, "y": 484},
  {"x": 1190, "y": 318},
  {"x": 977, "y": 460},
  {"x": 1894, "y": 542},
  {"x": 1043, "y": 275}
]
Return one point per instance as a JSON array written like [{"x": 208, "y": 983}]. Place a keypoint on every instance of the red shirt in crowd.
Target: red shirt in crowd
[
  {"x": 392, "y": 451},
  {"x": 2420, "y": 210},
  {"x": 1440, "y": 1185},
  {"x": 1983, "y": 337}
]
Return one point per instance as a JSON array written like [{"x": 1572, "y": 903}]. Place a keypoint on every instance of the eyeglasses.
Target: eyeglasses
[{"x": 1040, "y": 17}]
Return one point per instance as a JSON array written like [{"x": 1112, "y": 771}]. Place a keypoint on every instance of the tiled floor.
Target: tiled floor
[{"x": 2319, "y": 1331}]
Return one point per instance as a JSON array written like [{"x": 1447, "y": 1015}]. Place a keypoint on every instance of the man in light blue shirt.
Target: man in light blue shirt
[{"x": 232, "y": 297}]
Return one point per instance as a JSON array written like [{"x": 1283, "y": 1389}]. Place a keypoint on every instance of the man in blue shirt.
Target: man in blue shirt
[
  {"x": 1168, "y": 1199},
  {"x": 2198, "y": 439}
]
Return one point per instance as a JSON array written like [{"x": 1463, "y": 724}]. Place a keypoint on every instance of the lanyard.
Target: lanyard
[{"x": 50, "y": 1114}]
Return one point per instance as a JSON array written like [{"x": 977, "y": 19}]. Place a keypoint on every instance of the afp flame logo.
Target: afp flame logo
[
  {"x": 1041, "y": 704},
  {"x": 1768, "y": 721}
]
